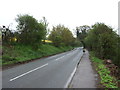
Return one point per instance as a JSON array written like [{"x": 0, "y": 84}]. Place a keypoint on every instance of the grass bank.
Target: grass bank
[
  {"x": 107, "y": 81},
  {"x": 21, "y": 53}
]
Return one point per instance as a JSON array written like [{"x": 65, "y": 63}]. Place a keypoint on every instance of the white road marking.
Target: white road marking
[
  {"x": 56, "y": 59},
  {"x": 29, "y": 72},
  {"x": 70, "y": 53},
  {"x": 62, "y": 56},
  {"x": 59, "y": 58}
]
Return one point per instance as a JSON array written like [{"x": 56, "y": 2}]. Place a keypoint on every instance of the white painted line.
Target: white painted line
[
  {"x": 29, "y": 72},
  {"x": 62, "y": 56},
  {"x": 70, "y": 78},
  {"x": 56, "y": 59},
  {"x": 59, "y": 58},
  {"x": 69, "y": 54}
]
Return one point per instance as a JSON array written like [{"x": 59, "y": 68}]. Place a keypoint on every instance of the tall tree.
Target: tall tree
[{"x": 31, "y": 32}]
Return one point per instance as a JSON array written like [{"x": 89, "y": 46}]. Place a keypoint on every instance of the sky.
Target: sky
[{"x": 70, "y": 13}]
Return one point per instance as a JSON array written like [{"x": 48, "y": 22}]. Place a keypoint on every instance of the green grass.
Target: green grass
[
  {"x": 20, "y": 53},
  {"x": 106, "y": 79}
]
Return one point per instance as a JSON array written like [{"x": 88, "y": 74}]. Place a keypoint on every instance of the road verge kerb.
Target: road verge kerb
[{"x": 72, "y": 74}]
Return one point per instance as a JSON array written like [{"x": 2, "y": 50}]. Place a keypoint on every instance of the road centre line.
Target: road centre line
[
  {"x": 28, "y": 72},
  {"x": 62, "y": 56},
  {"x": 59, "y": 58}
]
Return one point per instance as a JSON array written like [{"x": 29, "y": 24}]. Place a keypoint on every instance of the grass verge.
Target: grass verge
[
  {"x": 20, "y": 53},
  {"x": 107, "y": 81}
]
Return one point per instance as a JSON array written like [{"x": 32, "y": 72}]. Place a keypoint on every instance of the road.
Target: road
[{"x": 51, "y": 72}]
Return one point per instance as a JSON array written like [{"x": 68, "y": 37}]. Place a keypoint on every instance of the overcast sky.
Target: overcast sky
[{"x": 71, "y": 13}]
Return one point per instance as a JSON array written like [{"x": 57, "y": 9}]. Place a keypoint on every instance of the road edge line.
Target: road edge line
[
  {"x": 70, "y": 78},
  {"x": 73, "y": 73}
]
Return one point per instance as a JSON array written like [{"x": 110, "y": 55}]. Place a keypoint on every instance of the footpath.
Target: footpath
[{"x": 85, "y": 76}]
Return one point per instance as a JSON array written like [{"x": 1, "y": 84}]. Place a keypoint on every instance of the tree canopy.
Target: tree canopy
[
  {"x": 31, "y": 31},
  {"x": 60, "y": 35},
  {"x": 103, "y": 41}
]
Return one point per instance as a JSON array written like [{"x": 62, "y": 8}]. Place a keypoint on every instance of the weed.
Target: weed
[{"x": 106, "y": 80}]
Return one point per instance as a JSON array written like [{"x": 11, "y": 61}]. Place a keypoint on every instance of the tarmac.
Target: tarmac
[{"x": 85, "y": 76}]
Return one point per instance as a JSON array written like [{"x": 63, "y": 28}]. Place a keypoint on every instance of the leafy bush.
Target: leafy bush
[
  {"x": 104, "y": 42},
  {"x": 106, "y": 80}
]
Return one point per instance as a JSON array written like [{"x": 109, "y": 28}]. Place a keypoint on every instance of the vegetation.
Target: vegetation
[
  {"x": 21, "y": 53},
  {"x": 31, "y": 31},
  {"x": 61, "y": 36},
  {"x": 81, "y": 33},
  {"x": 107, "y": 80},
  {"x": 30, "y": 40},
  {"x": 104, "y": 42}
]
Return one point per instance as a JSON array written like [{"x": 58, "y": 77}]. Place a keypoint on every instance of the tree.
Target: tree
[
  {"x": 81, "y": 32},
  {"x": 45, "y": 23},
  {"x": 61, "y": 35},
  {"x": 104, "y": 42},
  {"x": 31, "y": 32}
]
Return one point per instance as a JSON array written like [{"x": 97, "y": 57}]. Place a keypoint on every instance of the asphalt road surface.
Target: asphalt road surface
[{"x": 51, "y": 72}]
